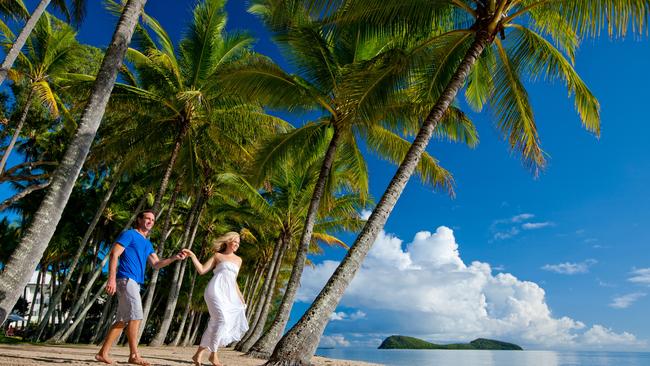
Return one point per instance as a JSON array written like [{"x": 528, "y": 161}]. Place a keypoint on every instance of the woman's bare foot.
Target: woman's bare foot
[
  {"x": 103, "y": 358},
  {"x": 214, "y": 359},
  {"x": 196, "y": 359},
  {"x": 137, "y": 360}
]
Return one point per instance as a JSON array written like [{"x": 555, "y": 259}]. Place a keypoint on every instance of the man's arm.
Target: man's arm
[
  {"x": 115, "y": 253},
  {"x": 157, "y": 263}
]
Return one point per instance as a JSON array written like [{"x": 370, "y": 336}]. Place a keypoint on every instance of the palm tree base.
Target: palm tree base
[
  {"x": 288, "y": 363},
  {"x": 253, "y": 353}
]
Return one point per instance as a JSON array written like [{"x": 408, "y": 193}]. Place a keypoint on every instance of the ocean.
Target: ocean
[{"x": 487, "y": 358}]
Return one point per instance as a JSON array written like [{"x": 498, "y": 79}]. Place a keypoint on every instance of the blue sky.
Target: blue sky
[{"x": 572, "y": 242}]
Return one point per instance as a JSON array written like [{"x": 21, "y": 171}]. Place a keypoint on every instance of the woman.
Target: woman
[{"x": 225, "y": 302}]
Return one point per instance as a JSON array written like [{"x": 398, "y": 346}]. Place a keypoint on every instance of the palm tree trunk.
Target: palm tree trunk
[
  {"x": 19, "y": 127},
  {"x": 177, "y": 339},
  {"x": 188, "y": 331},
  {"x": 312, "y": 213},
  {"x": 72, "y": 313},
  {"x": 37, "y": 236},
  {"x": 42, "y": 294},
  {"x": 195, "y": 332},
  {"x": 12, "y": 55},
  {"x": 264, "y": 314},
  {"x": 299, "y": 344},
  {"x": 18, "y": 196},
  {"x": 263, "y": 293},
  {"x": 80, "y": 317},
  {"x": 137, "y": 210},
  {"x": 56, "y": 298},
  {"x": 31, "y": 306},
  {"x": 249, "y": 292},
  {"x": 185, "y": 126},
  {"x": 179, "y": 270},
  {"x": 153, "y": 282},
  {"x": 264, "y": 346},
  {"x": 106, "y": 310},
  {"x": 254, "y": 296}
]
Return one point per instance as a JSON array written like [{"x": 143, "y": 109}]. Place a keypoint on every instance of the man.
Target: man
[{"x": 132, "y": 250}]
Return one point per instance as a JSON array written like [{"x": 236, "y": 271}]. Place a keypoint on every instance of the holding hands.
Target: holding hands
[
  {"x": 187, "y": 253},
  {"x": 180, "y": 255}
]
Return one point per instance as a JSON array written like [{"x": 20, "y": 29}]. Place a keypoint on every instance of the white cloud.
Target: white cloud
[
  {"x": 624, "y": 302},
  {"x": 511, "y": 227},
  {"x": 600, "y": 336},
  {"x": 341, "y": 315},
  {"x": 365, "y": 214},
  {"x": 424, "y": 289},
  {"x": 641, "y": 276},
  {"x": 336, "y": 340},
  {"x": 535, "y": 225},
  {"x": 570, "y": 268},
  {"x": 500, "y": 235},
  {"x": 522, "y": 217}
]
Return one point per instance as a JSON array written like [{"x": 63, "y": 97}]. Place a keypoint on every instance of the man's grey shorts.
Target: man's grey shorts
[{"x": 129, "y": 302}]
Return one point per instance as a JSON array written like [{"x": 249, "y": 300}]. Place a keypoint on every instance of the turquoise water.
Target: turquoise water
[{"x": 487, "y": 358}]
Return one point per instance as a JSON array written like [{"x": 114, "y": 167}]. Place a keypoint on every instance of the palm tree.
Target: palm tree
[
  {"x": 17, "y": 6},
  {"x": 48, "y": 55},
  {"x": 288, "y": 203},
  {"x": 24, "y": 259},
  {"x": 182, "y": 98},
  {"x": 180, "y": 88},
  {"x": 470, "y": 46},
  {"x": 356, "y": 83}
]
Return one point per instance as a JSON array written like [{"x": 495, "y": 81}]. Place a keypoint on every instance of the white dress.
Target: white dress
[{"x": 227, "y": 312}]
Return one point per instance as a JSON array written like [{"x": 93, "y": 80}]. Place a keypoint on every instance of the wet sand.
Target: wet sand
[{"x": 27, "y": 354}]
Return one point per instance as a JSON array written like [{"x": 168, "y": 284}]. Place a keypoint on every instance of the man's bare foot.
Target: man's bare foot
[
  {"x": 197, "y": 360},
  {"x": 104, "y": 359},
  {"x": 137, "y": 360}
]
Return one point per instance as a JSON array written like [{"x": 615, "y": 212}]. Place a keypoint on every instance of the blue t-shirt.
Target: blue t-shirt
[{"x": 133, "y": 260}]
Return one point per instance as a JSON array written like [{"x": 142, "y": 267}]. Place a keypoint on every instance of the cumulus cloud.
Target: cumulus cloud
[
  {"x": 641, "y": 276},
  {"x": 570, "y": 268},
  {"x": 600, "y": 337},
  {"x": 423, "y": 288},
  {"x": 624, "y": 302}
]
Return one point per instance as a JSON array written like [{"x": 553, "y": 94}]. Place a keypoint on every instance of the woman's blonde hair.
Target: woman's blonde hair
[{"x": 219, "y": 244}]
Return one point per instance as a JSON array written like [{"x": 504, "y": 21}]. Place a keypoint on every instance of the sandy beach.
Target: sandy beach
[{"x": 27, "y": 354}]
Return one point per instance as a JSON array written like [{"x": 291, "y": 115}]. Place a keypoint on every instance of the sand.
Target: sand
[{"x": 27, "y": 354}]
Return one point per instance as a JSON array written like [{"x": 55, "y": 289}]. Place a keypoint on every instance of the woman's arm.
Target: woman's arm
[{"x": 200, "y": 268}]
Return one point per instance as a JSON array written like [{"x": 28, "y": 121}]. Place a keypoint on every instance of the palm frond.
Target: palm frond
[
  {"x": 393, "y": 148},
  {"x": 514, "y": 113},
  {"x": 537, "y": 56}
]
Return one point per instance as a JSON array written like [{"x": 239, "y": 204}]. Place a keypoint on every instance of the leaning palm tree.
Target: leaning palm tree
[
  {"x": 48, "y": 55},
  {"x": 356, "y": 83},
  {"x": 37, "y": 236},
  {"x": 16, "y": 7},
  {"x": 490, "y": 44}
]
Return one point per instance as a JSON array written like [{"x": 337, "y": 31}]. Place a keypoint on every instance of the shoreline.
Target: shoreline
[{"x": 25, "y": 354}]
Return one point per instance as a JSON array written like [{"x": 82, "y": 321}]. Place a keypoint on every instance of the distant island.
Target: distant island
[{"x": 404, "y": 342}]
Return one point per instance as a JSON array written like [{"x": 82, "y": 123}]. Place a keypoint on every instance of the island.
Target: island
[{"x": 404, "y": 342}]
